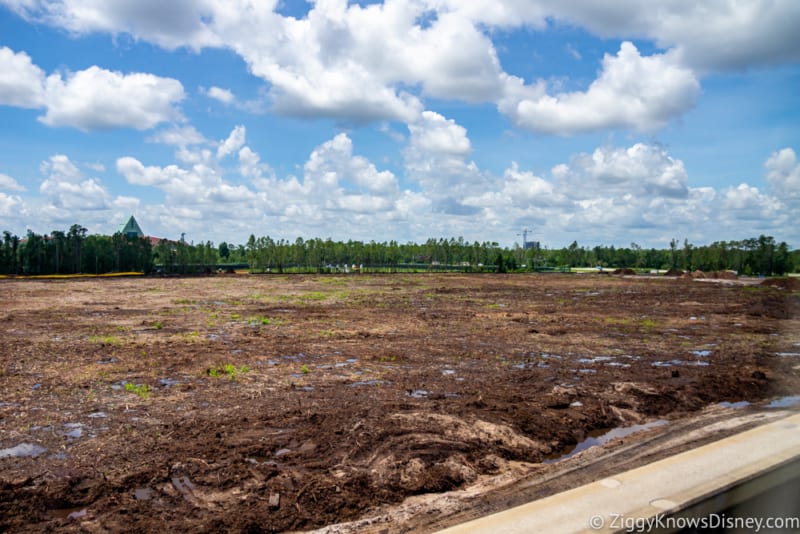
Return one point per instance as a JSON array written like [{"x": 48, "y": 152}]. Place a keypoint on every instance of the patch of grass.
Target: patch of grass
[
  {"x": 304, "y": 369},
  {"x": 143, "y": 390},
  {"x": 228, "y": 369},
  {"x": 158, "y": 325},
  {"x": 313, "y": 295},
  {"x": 183, "y": 301},
  {"x": 649, "y": 324},
  {"x": 106, "y": 340}
]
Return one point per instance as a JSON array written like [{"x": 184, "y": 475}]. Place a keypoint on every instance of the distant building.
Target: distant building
[{"x": 131, "y": 229}]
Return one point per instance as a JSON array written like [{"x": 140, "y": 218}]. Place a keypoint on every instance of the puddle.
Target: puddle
[
  {"x": 785, "y": 402},
  {"x": 69, "y": 513},
  {"x": 168, "y": 382},
  {"x": 375, "y": 382},
  {"x": 143, "y": 494},
  {"x": 21, "y": 450},
  {"x": 107, "y": 360},
  {"x": 73, "y": 430},
  {"x": 419, "y": 393},
  {"x": 588, "y": 371},
  {"x": 601, "y": 437},
  {"x": 734, "y": 405},
  {"x": 788, "y": 354},
  {"x": 97, "y": 415},
  {"x": 701, "y": 353},
  {"x": 694, "y": 363},
  {"x": 448, "y": 372},
  {"x": 595, "y": 359},
  {"x": 282, "y": 452}
]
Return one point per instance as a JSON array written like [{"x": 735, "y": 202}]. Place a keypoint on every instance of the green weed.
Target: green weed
[
  {"x": 304, "y": 369},
  {"x": 143, "y": 390}
]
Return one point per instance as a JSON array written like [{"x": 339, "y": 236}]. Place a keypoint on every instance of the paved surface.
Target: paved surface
[{"x": 665, "y": 486}]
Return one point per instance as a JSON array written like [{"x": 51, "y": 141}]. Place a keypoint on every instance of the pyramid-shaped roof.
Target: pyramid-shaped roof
[{"x": 131, "y": 228}]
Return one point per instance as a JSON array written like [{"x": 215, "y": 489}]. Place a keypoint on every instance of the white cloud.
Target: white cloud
[
  {"x": 181, "y": 136},
  {"x": 21, "y": 82},
  {"x": 69, "y": 193},
  {"x": 642, "y": 170},
  {"x": 632, "y": 91},
  {"x": 783, "y": 175},
  {"x": 169, "y": 24},
  {"x": 7, "y": 183},
  {"x": 233, "y": 143},
  {"x": 437, "y": 157},
  {"x": 222, "y": 95},
  {"x": 100, "y": 99}
]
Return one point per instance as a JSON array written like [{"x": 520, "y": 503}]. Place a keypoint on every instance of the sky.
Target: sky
[{"x": 605, "y": 123}]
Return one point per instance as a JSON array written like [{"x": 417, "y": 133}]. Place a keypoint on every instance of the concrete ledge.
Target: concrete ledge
[{"x": 750, "y": 462}]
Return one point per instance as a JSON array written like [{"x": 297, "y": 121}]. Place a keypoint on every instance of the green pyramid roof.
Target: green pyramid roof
[{"x": 131, "y": 228}]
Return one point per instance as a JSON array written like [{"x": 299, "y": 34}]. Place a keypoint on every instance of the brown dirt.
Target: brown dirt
[{"x": 294, "y": 402}]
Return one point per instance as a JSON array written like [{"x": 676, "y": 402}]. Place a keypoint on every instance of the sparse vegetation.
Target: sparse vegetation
[{"x": 142, "y": 390}]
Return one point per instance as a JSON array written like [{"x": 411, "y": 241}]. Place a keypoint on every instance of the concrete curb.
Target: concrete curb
[{"x": 679, "y": 482}]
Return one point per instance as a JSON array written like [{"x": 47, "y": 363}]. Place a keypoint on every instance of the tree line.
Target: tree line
[{"x": 73, "y": 251}]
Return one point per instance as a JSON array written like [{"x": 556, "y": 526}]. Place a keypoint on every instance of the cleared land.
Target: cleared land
[{"x": 270, "y": 403}]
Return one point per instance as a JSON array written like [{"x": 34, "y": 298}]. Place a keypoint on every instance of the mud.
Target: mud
[{"x": 271, "y": 403}]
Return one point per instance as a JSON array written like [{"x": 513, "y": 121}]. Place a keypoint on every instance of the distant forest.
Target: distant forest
[{"x": 74, "y": 251}]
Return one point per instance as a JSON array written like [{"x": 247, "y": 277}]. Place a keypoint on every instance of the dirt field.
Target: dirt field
[{"x": 399, "y": 402}]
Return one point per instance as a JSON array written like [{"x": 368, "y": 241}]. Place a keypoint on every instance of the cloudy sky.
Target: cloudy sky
[{"x": 589, "y": 120}]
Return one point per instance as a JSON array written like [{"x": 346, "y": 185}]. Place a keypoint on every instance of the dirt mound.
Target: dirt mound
[
  {"x": 674, "y": 272},
  {"x": 787, "y": 283},
  {"x": 625, "y": 271}
]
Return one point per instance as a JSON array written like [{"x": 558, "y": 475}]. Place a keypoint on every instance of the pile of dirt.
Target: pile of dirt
[
  {"x": 710, "y": 275},
  {"x": 787, "y": 283},
  {"x": 625, "y": 271},
  {"x": 674, "y": 272}
]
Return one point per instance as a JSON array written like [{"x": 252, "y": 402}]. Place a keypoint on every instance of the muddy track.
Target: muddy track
[{"x": 265, "y": 403}]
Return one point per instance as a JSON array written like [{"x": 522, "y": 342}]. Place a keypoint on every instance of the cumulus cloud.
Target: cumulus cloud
[
  {"x": 96, "y": 98},
  {"x": 222, "y": 95},
  {"x": 632, "y": 91},
  {"x": 7, "y": 183},
  {"x": 169, "y": 24},
  {"x": 89, "y": 99},
  {"x": 181, "y": 136},
  {"x": 437, "y": 157},
  {"x": 21, "y": 82},
  {"x": 69, "y": 193},
  {"x": 783, "y": 174},
  {"x": 358, "y": 63},
  {"x": 233, "y": 143}
]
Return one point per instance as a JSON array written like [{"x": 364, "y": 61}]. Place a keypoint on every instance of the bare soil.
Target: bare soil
[{"x": 388, "y": 403}]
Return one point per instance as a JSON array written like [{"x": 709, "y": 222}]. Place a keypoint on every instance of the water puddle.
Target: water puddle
[
  {"x": 143, "y": 494},
  {"x": 419, "y": 393},
  {"x": 601, "y": 437},
  {"x": 168, "y": 382},
  {"x": 788, "y": 354},
  {"x": 375, "y": 382},
  {"x": 701, "y": 353},
  {"x": 595, "y": 359},
  {"x": 734, "y": 405},
  {"x": 694, "y": 363},
  {"x": 73, "y": 430},
  {"x": 69, "y": 513},
  {"x": 785, "y": 402},
  {"x": 448, "y": 372},
  {"x": 22, "y": 450}
]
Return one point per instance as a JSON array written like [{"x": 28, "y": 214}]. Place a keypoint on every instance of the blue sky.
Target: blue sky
[{"x": 605, "y": 123}]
